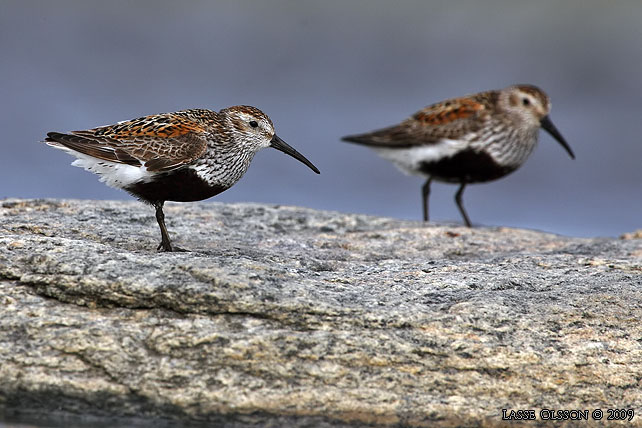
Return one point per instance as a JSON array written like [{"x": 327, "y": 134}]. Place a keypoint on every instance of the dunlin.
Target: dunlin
[
  {"x": 473, "y": 139},
  {"x": 185, "y": 156}
]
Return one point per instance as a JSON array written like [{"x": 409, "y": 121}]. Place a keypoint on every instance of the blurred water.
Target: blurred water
[{"x": 326, "y": 69}]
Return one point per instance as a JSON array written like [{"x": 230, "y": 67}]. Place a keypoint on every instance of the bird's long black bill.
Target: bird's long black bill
[
  {"x": 548, "y": 126},
  {"x": 284, "y": 147}
]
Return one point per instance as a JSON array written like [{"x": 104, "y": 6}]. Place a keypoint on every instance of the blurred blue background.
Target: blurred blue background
[{"x": 326, "y": 69}]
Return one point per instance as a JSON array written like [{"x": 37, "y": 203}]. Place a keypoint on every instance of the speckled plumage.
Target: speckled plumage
[
  {"x": 184, "y": 156},
  {"x": 472, "y": 139}
]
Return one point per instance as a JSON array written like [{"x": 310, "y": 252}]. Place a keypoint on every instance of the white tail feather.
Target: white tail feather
[{"x": 113, "y": 174}]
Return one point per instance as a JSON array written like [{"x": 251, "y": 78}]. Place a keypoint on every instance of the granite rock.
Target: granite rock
[{"x": 286, "y": 316}]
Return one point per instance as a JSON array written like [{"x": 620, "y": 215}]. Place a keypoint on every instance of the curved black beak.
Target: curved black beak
[
  {"x": 548, "y": 126},
  {"x": 284, "y": 147}
]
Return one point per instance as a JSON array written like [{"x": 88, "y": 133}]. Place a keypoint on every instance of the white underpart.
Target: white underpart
[
  {"x": 409, "y": 159},
  {"x": 117, "y": 175}
]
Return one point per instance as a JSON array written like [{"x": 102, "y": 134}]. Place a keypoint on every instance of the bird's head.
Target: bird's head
[
  {"x": 530, "y": 106},
  {"x": 253, "y": 130}
]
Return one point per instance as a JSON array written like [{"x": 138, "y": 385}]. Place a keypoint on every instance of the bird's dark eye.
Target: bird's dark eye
[
  {"x": 253, "y": 123},
  {"x": 526, "y": 101}
]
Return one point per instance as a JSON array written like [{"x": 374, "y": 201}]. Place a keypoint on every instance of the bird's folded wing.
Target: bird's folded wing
[
  {"x": 451, "y": 119},
  {"x": 159, "y": 145}
]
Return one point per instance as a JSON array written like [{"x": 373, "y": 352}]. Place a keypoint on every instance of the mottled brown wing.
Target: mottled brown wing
[
  {"x": 91, "y": 148},
  {"x": 164, "y": 154},
  {"x": 449, "y": 119},
  {"x": 160, "y": 142}
]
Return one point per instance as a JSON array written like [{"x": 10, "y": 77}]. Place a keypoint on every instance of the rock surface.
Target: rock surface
[{"x": 283, "y": 316}]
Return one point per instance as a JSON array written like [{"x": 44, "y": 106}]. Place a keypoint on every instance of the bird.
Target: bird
[
  {"x": 471, "y": 139},
  {"x": 184, "y": 156}
]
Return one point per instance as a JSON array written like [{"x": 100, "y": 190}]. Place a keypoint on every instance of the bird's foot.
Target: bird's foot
[{"x": 166, "y": 247}]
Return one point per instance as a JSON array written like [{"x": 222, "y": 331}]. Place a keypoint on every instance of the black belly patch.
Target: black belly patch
[
  {"x": 466, "y": 166},
  {"x": 181, "y": 185}
]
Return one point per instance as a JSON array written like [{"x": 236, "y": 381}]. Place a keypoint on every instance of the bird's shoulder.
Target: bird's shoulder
[
  {"x": 457, "y": 110},
  {"x": 163, "y": 126}
]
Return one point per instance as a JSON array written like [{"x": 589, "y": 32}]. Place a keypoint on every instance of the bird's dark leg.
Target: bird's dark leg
[
  {"x": 460, "y": 205},
  {"x": 425, "y": 193},
  {"x": 165, "y": 244}
]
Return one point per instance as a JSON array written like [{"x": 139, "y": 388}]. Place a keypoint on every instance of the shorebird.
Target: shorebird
[
  {"x": 184, "y": 156},
  {"x": 472, "y": 139}
]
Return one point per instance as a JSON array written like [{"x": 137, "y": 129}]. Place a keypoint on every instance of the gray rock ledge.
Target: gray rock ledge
[{"x": 284, "y": 316}]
